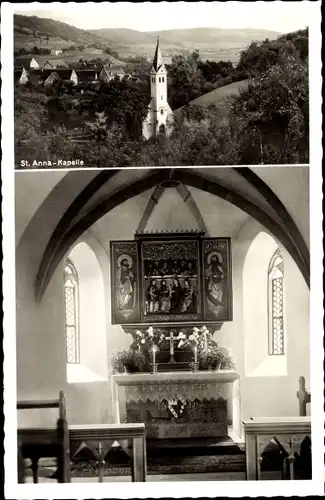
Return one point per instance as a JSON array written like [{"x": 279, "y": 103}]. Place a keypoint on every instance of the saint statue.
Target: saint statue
[
  {"x": 152, "y": 298},
  {"x": 176, "y": 296},
  {"x": 215, "y": 275},
  {"x": 125, "y": 283},
  {"x": 187, "y": 297},
  {"x": 164, "y": 297}
]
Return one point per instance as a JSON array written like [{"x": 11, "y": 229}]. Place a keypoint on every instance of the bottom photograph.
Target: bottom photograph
[{"x": 162, "y": 324}]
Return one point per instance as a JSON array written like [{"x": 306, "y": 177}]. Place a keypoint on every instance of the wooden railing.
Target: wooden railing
[
  {"x": 36, "y": 443},
  {"x": 99, "y": 439},
  {"x": 294, "y": 433}
]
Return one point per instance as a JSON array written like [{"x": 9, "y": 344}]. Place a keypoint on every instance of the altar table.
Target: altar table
[
  {"x": 290, "y": 432},
  {"x": 170, "y": 403}
]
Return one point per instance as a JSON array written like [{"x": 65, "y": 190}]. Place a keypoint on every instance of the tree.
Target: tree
[
  {"x": 124, "y": 104},
  {"x": 185, "y": 80},
  {"x": 270, "y": 120}
]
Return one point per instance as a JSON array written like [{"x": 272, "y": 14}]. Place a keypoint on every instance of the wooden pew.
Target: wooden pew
[
  {"x": 100, "y": 438},
  {"x": 36, "y": 443},
  {"x": 290, "y": 431},
  {"x": 259, "y": 430}
]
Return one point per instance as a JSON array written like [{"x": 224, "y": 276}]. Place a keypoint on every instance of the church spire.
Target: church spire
[{"x": 157, "y": 60}]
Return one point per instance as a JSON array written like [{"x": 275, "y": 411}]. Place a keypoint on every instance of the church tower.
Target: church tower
[{"x": 160, "y": 116}]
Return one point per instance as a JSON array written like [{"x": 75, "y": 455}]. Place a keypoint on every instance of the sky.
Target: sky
[{"x": 276, "y": 16}]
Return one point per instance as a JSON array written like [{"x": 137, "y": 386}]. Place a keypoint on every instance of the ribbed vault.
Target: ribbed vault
[{"x": 111, "y": 188}]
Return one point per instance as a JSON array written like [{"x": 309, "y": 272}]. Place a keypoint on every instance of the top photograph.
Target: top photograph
[{"x": 161, "y": 84}]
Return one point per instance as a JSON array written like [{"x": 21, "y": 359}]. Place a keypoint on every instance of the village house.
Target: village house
[
  {"x": 48, "y": 77},
  {"x": 109, "y": 72},
  {"x": 55, "y": 63},
  {"x": 56, "y": 52},
  {"x": 26, "y": 62}
]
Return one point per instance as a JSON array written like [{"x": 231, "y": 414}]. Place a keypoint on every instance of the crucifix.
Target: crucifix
[{"x": 171, "y": 339}]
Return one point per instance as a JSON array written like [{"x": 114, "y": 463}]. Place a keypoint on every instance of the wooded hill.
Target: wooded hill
[{"x": 32, "y": 30}]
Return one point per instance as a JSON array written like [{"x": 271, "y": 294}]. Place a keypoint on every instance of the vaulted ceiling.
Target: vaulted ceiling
[{"x": 67, "y": 204}]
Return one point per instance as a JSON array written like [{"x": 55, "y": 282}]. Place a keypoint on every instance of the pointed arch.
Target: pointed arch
[
  {"x": 71, "y": 313},
  {"x": 67, "y": 234},
  {"x": 276, "y": 304}
]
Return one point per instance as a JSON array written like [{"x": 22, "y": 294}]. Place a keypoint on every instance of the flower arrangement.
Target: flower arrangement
[
  {"x": 128, "y": 360},
  {"x": 149, "y": 338},
  {"x": 201, "y": 338}
]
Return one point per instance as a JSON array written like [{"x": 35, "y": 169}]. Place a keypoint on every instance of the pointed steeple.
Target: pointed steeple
[{"x": 157, "y": 60}]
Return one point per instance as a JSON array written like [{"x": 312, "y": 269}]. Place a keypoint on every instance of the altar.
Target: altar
[{"x": 180, "y": 404}]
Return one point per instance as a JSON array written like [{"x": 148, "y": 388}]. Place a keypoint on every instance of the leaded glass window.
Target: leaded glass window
[
  {"x": 71, "y": 312},
  {"x": 276, "y": 305}
]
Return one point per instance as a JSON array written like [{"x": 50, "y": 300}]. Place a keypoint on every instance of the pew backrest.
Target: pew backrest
[{"x": 36, "y": 443}]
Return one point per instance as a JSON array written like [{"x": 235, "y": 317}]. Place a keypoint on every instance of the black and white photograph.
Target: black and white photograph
[
  {"x": 94, "y": 313},
  {"x": 96, "y": 87},
  {"x": 162, "y": 249}
]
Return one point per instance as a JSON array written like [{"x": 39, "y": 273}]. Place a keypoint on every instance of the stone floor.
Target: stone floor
[{"x": 223, "y": 476}]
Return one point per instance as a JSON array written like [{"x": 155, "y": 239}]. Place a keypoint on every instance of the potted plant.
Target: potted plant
[
  {"x": 128, "y": 360},
  {"x": 217, "y": 358},
  {"x": 209, "y": 360},
  {"x": 226, "y": 358}
]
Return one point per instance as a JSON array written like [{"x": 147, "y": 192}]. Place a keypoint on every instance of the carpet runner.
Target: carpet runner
[{"x": 169, "y": 456}]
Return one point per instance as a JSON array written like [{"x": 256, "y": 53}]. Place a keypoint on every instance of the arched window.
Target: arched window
[
  {"x": 159, "y": 80},
  {"x": 275, "y": 303},
  {"x": 71, "y": 302},
  {"x": 163, "y": 79}
]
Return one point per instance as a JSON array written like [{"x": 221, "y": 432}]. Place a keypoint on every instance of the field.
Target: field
[
  {"x": 228, "y": 51},
  {"x": 219, "y": 97},
  {"x": 73, "y": 57}
]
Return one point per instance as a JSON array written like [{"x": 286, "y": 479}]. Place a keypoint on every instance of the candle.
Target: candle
[
  {"x": 154, "y": 355},
  {"x": 171, "y": 337},
  {"x": 195, "y": 354},
  {"x": 205, "y": 342}
]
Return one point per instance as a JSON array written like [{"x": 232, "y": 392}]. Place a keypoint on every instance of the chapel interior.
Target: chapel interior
[{"x": 67, "y": 328}]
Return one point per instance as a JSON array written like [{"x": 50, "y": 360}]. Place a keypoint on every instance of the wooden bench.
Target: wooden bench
[
  {"x": 291, "y": 432},
  {"x": 100, "y": 438},
  {"x": 36, "y": 443},
  {"x": 295, "y": 430}
]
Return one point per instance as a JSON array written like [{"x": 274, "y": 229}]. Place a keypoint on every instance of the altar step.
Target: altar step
[{"x": 193, "y": 447}]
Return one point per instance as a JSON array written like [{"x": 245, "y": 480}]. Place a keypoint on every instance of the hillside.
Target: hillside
[
  {"x": 219, "y": 97},
  {"x": 216, "y": 35},
  {"x": 214, "y": 44},
  {"x": 32, "y": 30},
  {"x": 124, "y": 36}
]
